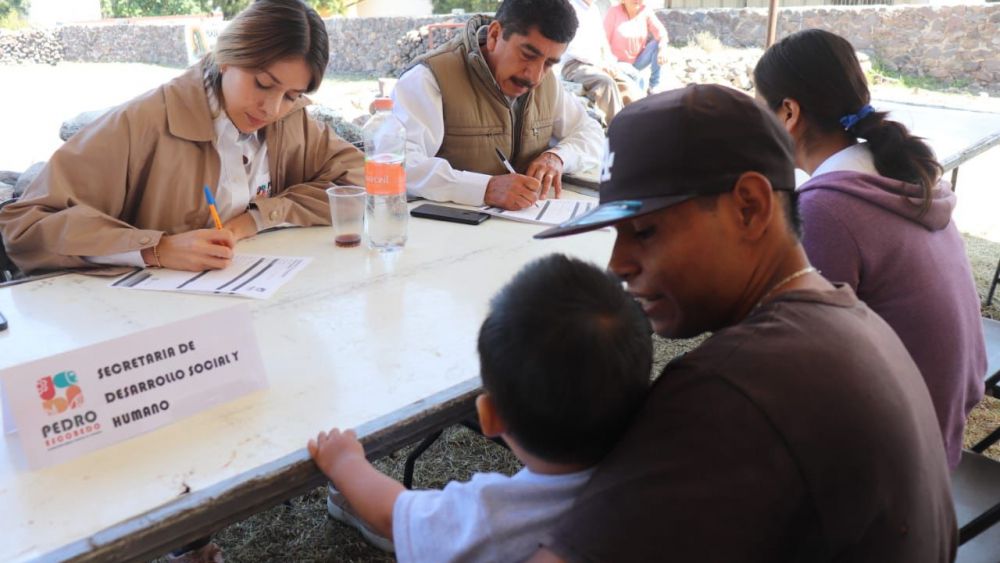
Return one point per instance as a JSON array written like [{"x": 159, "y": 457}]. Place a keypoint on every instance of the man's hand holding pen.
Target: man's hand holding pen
[
  {"x": 511, "y": 191},
  {"x": 517, "y": 191}
]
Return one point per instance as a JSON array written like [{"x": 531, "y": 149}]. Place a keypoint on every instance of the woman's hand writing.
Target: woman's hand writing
[{"x": 195, "y": 251}]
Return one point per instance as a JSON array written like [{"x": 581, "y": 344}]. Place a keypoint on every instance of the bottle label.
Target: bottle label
[{"x": 384, "y": 178}]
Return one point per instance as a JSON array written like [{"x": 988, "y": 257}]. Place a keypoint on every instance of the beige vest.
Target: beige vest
[{"x": 477, "y": 117}]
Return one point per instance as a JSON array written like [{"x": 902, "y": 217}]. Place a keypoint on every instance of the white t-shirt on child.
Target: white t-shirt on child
[{"x": 492, "y": 517}]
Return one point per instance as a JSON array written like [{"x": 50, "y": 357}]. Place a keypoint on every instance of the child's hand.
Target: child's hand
[
  {"x": 331, "y": 450},
  {"x": 342, "y": 458}
]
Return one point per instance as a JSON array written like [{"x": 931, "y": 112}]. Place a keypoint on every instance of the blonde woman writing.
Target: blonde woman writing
[{"x": 128, "y": 189}]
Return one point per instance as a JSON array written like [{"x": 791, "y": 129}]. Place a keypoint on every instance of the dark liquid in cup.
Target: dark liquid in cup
[{"x": 347, "y": 241}]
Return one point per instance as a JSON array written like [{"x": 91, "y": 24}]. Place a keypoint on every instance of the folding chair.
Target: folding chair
[
  {"x": 975, "y": 484},
  {"x": 8, "y": 271},
  {"x": 7, "y": 268},
  {"x": 975, "y": 488},
  {"x": 991, "y": 330}
]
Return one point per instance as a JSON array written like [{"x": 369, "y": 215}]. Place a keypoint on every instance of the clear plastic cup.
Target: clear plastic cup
[{"x": 347, "y": 214}]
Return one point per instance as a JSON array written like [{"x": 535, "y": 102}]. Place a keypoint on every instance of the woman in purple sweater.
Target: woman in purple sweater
[{"x": 877, "y": 216}]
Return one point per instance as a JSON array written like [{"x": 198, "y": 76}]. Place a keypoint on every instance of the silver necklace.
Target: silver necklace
[{"x": 785, "y": 280}]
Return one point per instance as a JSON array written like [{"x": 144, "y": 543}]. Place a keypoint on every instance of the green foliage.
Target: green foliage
[
  {"x": 879, "y": 74},
  {"x": 330, "y": 7},
  {"x": 229, "y": 8},
  {"x": 16, "y": 7},
  {"x": 470, "y": 6},
  {"x": 13, "y": 21},
  {"x": 146, "y": 8}
]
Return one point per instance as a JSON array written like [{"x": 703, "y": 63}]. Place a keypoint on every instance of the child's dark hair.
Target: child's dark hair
[
  {"x": 555, "y": 19},
  {"x": 565, "y": 355},
  {"x": 820, "y": 71}
]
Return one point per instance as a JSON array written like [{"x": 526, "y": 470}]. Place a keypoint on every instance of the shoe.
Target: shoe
[
  {"x": 208, "y": 553},
  {"x": 340, "y": 510}
]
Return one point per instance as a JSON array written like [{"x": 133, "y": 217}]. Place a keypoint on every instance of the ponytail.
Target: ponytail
[
  {"x": 820, "y": 71},
  {"x": 900, "y": 155}
]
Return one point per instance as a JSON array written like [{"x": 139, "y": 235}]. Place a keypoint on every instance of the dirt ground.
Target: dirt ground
[{"x": 38, "y": 98}]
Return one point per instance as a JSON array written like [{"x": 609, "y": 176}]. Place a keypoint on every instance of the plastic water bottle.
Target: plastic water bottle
[{"x": 386, "y": 212}]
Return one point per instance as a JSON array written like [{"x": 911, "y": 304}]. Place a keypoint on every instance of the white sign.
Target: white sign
[{"x": 79, "y": 401}]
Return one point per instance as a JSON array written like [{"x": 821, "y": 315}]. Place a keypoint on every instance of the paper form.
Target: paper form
[
  {"x": 248, "y": 276},
  {"x": 548, "y": 211}
]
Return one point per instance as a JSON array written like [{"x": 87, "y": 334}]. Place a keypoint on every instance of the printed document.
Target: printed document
[
  {"x": 546, "y": 212},
  {"x": 248, "y": 276}
]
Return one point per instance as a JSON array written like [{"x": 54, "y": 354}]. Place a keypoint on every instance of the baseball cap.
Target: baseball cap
[{"x": 680, "y": 144}]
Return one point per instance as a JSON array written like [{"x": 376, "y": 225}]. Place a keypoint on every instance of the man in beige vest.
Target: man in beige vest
[{"x": 490, "y": 88}]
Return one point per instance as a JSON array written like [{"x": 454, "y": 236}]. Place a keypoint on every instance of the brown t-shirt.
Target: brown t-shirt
[{"x": 804, "y": 433}]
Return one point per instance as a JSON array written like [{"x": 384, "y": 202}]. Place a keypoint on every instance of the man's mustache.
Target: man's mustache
[{"x": 522, "y": 82}]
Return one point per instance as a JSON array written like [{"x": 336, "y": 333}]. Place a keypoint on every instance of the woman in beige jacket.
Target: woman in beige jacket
[{"x": 128, "y": 189}]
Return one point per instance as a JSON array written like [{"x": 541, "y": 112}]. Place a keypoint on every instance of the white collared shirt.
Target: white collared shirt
[
  {"x": 244, "y": 173},
  {"x": 417, "y": 103},
  {"x": 590, "y": 44},
  {"x": 855, "y": 158}
]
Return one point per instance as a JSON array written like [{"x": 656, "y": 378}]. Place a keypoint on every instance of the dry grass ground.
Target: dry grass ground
[{"x": 39, "y": 98}]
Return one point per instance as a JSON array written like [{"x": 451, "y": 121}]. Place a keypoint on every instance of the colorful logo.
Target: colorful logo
[{"x": 59, "y": 392}]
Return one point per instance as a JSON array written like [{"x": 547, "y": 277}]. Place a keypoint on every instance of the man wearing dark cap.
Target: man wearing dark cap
[{"x": 801, "y": 430}]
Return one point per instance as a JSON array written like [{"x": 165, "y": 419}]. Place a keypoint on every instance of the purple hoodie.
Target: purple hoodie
[{"x": 910, "y": 269}]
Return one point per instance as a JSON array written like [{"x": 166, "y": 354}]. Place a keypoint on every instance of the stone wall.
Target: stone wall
[
  {"x": 125, "y": 43},
  {"x": 383, "y": 46},
  {"x": 32, "y": 46},
  {"x": 944, "y": 42},
  {"x": 160, "y": 44}
]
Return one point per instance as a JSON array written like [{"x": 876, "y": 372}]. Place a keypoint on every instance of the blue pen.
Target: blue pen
[{"x": 212, "y": 209}]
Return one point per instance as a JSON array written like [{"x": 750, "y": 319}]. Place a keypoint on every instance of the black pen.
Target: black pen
[
  {"x": 506, "y": 164},
  {"x": 3, "y": 323},
  {"x": 504, "y": 161}
]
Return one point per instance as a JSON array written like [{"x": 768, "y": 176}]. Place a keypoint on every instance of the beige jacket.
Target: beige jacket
[
  {"x": 136, "y": 173},
  {"x": 478, "y": 119}
]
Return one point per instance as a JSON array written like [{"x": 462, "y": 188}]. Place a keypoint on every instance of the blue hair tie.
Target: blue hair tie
[{"x": 852, "y": 119}]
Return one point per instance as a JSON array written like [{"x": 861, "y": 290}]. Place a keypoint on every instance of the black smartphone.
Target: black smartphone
[{"x": 453, "y": 214}]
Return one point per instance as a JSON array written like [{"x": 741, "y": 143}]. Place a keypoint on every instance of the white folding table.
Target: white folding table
[{"x": 383, "y": 344}]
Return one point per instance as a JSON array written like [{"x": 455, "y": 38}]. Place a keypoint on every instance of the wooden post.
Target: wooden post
[{"x": 772, "y": 23}]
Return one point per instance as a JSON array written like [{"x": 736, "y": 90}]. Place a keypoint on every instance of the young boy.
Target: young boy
[{"x": 565, "y": 356}]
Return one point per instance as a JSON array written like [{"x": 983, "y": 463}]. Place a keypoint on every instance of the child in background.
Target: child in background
[{"x": 565, "y": 358}]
